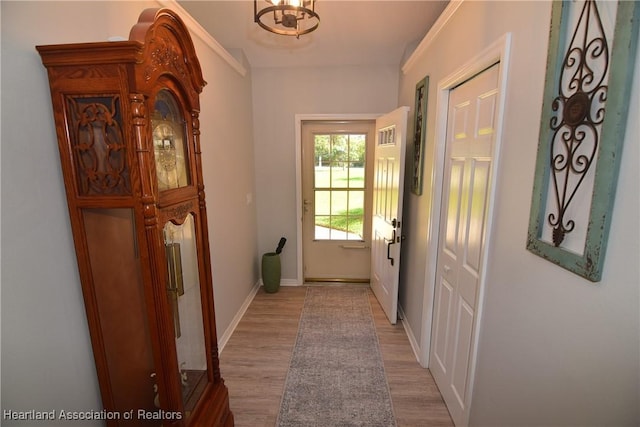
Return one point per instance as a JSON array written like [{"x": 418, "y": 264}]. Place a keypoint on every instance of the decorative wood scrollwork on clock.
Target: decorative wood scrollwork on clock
[
  {"x": 179, "y": 212},
  {"x": 163, "y": 56},
  {"x": 98, "y": 145}
]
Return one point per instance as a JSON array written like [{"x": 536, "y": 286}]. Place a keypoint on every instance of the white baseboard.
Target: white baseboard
[
  {"x": 283, "y": 282},
  {"x": 222, "y": 341},
  {"x": 289, "y": 282},
  {"x": 412, "y": 338}
]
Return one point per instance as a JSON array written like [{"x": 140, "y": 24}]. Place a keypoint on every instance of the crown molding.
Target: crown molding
[
  {"x": 198, "y": 30},
  {"x": 447, "y": 13}
]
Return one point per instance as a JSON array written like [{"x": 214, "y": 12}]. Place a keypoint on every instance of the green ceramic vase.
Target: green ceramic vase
[{"x": 271, "y": 272}]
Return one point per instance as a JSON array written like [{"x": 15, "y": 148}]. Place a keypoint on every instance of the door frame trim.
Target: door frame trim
[
  {"x": 299, "y": 118},
  {"x": 497, "y": 52}
]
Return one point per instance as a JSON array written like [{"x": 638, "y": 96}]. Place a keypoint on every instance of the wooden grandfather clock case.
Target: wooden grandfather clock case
[{"x": 127, "y": 122}]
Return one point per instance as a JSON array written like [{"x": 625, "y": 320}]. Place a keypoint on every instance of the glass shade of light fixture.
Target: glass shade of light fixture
[{"x": 286, "y": 17}]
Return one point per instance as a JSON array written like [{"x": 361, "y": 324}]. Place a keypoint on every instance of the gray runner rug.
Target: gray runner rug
[{"x": 336, "y": 375}]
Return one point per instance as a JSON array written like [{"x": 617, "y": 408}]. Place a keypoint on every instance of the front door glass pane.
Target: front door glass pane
[{"x": 339, "y": 184}]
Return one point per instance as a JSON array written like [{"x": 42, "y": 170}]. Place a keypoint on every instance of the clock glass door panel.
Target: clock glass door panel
[
  {"x": 183, "y": 292},
  {"x": 116, "y": 276},
  {"x": 169, "y": 142}
]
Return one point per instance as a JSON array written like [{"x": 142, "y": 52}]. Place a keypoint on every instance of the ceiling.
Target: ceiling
[{"x": 360, "y": 32}]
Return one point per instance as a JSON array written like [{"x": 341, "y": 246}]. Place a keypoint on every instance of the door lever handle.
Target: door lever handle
[{"x": 389, "y": 243}]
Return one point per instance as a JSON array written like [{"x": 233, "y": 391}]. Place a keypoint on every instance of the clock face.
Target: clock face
[{"x": 169, "y": 143}]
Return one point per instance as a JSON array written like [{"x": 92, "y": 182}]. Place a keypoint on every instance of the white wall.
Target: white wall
[
  {"x": 227, "y": 160},
  {"x": 554, "y": 349},
  {"x": 47, "y": 362},
  {"x": 278, "y": 95}
]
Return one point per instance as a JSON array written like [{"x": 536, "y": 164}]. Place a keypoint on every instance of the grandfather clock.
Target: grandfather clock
[{"x": 126, "y": 116}]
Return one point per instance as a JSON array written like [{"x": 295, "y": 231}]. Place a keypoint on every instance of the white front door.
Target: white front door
[
  {"x": 388, "y": 185},
  {"x": 463, "y": 219},
  {"x": 336, "y": 192}
]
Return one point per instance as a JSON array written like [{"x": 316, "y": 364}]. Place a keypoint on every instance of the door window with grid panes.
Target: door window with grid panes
[{"x": 339, "y": 186}]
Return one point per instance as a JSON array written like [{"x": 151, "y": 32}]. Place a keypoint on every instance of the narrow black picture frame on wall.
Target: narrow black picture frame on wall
[
  {"x": 419, "y": 134},
  {"x": 582, "y": 129}
]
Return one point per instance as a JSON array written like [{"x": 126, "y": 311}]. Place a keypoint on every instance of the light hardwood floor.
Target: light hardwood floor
[{"x": 255, "y": 361}]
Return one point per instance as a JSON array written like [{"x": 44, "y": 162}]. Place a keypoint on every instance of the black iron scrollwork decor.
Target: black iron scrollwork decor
[
  {"x": 580, "y": 107},
  {"x": 589, "y": 74}
]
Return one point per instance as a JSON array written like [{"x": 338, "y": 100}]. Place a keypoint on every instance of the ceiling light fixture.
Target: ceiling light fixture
[{"x": 286, "y": 17}]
